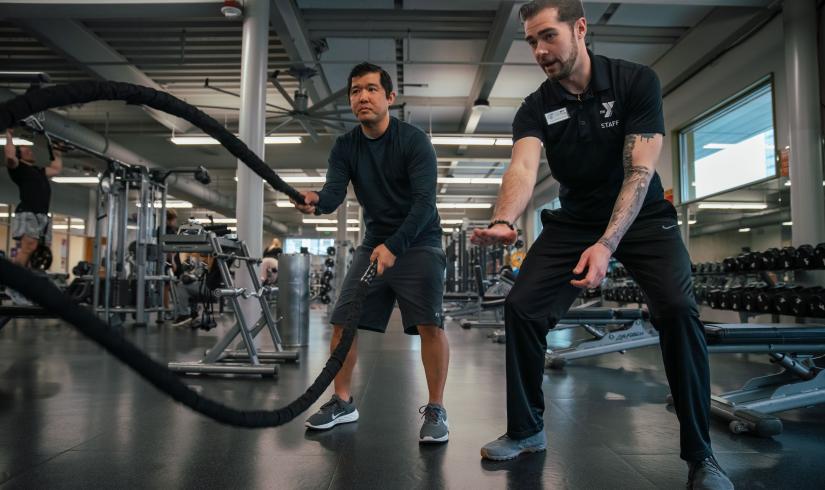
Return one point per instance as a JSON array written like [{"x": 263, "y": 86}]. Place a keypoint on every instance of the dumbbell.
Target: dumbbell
[
  {"x": 330, "y": 262},
  {"x": 715, "y": 298},
  {"x": 749, "y": 299},
  {"x": 783, "y": 300},
  {"x": 750, "y": 262},
  {"x": 607, "y": 294},
  {"x": 730, "y": 264},
  {"x": 816, "y": 304},
  {"x": 801, "y": 301},
  {"x": 639, "y": 295},
  {"x": 327, "y": 276},
  {"x": 786, "y": 258},
  {"x": 769, "y": 259},
  {"x": 325, "y": 299},
  {"x": 734, "y": 298},
  {"x": 819, "y": 256},
  {"x": 331, "y": 251},
  {"x": 804, "y": 257},
  {"x": 765, "y": 298}
]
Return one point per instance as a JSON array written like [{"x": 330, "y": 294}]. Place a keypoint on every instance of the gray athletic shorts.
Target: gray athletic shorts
[
  {"x": 416, "y": 282},
  {"x": 34, "y": 225}
]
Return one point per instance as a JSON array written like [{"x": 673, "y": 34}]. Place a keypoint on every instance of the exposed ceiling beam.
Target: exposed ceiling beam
[
  {"x": 147, "y": 9},
  {"x": 505, "y": 26},
  {"x": 708, "y": 40},
  {"x": 289, "y": 25},
  {"x": 78, "y": 44}
]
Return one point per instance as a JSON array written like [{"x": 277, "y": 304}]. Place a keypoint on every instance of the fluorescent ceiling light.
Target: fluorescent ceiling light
[
  {"x": 744, "y": 230},
  {"x": 690, "y": 222},
  {"x": 220, "y": 221},
  {"x": 448, "y": 230},
  {"x": 335, "y": 228},
  {"x": 327, "y": 221},
  {"x": 170, "y": 204},
  {"x": 463, "y": 205},
  {"x": 470, "y": 180},
  {"x": 283, "y": 204},
  {"x": 471, "y": 141},
  {"x": 787, "y": 223},
  {"x": 301, "y": 179},
  {"x": 452, "y": 221},
  {"x": 18, "y": 141},
  {"x": 463, "y": 140},
  {"x": 66, "y": 227},
  {"x": 208, "y": 140},
  {"x": 788, "y": 183},
  {"x": 717, "y": 146},
  {"x": 76, "y": 180},
  {"x": 732, "y": 205},
  {"x": 4, "y": 215}
]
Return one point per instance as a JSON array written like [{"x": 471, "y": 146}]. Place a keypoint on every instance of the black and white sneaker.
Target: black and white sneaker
[{"x": 335, "y": 411}]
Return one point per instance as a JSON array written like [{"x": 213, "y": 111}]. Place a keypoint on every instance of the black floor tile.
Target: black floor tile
[{"x": 71, "y": 416}]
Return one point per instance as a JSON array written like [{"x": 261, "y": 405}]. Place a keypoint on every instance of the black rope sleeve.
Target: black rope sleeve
[{"x": 40, "y": 290}]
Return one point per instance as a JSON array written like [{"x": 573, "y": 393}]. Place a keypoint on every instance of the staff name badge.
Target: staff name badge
[{"x": 557, "y": 116}]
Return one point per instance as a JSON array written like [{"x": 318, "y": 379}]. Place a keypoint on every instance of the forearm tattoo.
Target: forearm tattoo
[{"x": 632, "y": 195}]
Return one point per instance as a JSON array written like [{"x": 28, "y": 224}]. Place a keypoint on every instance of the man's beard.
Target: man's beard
[{"x": 567, "y": 65}]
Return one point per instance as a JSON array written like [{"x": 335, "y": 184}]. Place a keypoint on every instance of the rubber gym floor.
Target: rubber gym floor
[{"x": 74, "y": 417}]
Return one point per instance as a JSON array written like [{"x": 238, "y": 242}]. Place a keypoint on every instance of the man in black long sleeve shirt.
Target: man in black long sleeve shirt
[{"x": 392, "y": 167}]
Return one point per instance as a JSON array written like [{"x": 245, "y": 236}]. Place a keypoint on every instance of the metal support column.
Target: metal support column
[
  {"x": 250, "y": 196},
  {"x": 807, "y": 198}
]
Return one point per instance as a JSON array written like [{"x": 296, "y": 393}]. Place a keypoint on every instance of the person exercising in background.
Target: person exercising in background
[
  {"x": 269, "y": 262},
  {"x": 31, "y": 222}
]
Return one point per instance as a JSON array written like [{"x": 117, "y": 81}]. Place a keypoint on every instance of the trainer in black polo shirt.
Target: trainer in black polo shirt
[
  {"x": 600, "y": 121},
  {"x": 583, "y": 134}
]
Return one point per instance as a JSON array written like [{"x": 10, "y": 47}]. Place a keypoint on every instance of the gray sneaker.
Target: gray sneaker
[
  {"x": 335, "y": 411},
  {"x": 708, "y": 475},
  {"x": 505, "y": 448},
  {"x": 435, "y": 427}
]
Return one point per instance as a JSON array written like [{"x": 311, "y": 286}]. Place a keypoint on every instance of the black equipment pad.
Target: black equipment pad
[{"x": 750, "y": 333}]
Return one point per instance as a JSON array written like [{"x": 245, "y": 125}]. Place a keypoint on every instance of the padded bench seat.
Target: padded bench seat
[{"x": 749, "y": 333}]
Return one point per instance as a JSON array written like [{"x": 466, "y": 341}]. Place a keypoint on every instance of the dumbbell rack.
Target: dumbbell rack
[
  {"x": 219, "y": 359},
  {"x": 750, "y": 278}
]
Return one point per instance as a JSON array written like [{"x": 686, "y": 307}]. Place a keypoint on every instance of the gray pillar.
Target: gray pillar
[
  {"x": 250, "y": 198},
  {"x": 807, "y": 197},
  {"x": 341, "y": 214},
  {"x": 91, "y": 214}
]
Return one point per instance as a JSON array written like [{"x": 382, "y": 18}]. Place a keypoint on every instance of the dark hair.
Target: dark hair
[
  {"x": 362, "y": 69},
  {"x": 569, "y": 11},
  {"x": 171, "y": 214}
]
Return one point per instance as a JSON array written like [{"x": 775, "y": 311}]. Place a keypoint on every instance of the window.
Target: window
[
  {"x": 732, "y": 146},
  {"x": 316, "y": 246}
]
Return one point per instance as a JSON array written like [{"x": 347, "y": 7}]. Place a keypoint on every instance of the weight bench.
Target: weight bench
[
  {"x": 9, "y": 313},
  {"x": 611, "y": 330},
  {"x": 801, "y": 383},
  {"x": 490, "y": 302}
]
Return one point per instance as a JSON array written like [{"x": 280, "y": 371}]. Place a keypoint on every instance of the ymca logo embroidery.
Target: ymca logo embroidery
[{"x": 608, "y": 109}]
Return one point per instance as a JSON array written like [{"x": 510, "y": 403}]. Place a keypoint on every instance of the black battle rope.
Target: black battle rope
[{"x": 40, "y": 290}]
